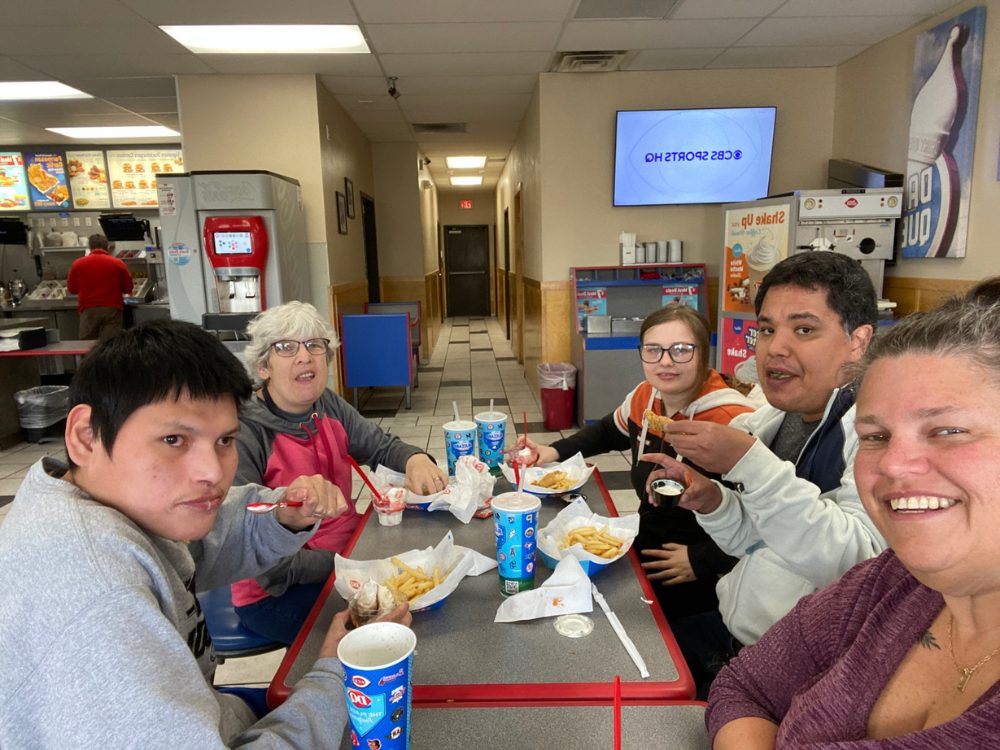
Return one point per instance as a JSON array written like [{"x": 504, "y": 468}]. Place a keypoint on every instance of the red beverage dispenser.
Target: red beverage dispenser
[{"x": 237, "y": 250}]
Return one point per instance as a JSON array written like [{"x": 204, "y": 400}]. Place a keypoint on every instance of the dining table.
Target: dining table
[
  {"x": 464, "y": 658},
  {"x": 678, "y": 726}
]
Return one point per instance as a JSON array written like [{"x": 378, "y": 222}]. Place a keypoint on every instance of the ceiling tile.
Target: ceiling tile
[
  {"x": 384, "y": 132},
  {"x": 385, "y": 116},
  {"x": 145, "y": 105},
  {"x": 673, "y": 59},
  {"x": 137, "y": 39},
  {"x": 434, "y": 11},
  {"x": 726, "y": 8},
  {"x": 344, "y": 65},
  {"x": 463, "y": 37},
  {"x": 370, "y": 85},
  {"x": 466, "y": 63},
  {"x": 11, "y": 70},
  {"x": 786, "y": 32},
  {"x": 424, "y": 109},
  {"x": 513, "y": 84},
  {"x": 47, "y": 111},
  {"x": 629, "y": 35},
  {"x": 69, "y": 12},
  {"x": 159, "y": 12},
  {"x": 813, "y": 56},
  {"x": 112, "y": 87},
  {"x": 824, "y": 8},
  {"x": 360, "y": 103},
  {"x": 107, "y": 64}
]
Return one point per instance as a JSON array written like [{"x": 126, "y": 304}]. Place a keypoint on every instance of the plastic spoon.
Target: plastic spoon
[{"x": 268, "y": 507}]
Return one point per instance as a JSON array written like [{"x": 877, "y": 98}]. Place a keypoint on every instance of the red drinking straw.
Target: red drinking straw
[
  {"x": 366, "y": 480},
  {"x": 618, "y": 712}
]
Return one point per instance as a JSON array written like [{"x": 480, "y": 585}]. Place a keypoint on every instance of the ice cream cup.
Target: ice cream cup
[
  {"x": 459, "y": 440},
  {"x": 515, "y": 517},
  {"x": 376, "y": 661},
  {"x": 390, "y": 506},
  {"x": 491, "y": 432}
]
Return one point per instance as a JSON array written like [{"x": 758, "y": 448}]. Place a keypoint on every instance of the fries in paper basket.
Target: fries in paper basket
[
  {"x": 553, "y": 479},
  {"x": 424, "y": 577},
  {"x": 596, "y": 541}
]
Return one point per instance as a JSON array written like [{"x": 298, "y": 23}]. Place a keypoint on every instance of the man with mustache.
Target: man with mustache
[{"x": 788, "y": 507}]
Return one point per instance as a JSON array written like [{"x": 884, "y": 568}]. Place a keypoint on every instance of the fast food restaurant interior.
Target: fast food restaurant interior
[{"x": 503, "y": 252}]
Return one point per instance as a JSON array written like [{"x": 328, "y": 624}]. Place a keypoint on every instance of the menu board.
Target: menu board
[
  {"x": 88, "y": 179},
  {"x": 47, "y": 180},
  {"x": 133, "y": 174},
  {"x": 13, "y": 182}
]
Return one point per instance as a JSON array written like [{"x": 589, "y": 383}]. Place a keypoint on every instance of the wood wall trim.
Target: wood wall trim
[{"x": 913, "y": 294}]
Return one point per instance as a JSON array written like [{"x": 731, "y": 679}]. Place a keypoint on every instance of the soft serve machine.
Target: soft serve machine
[
  {"x": 233, "y": 245},
  {"x": 857, "y": 222}
]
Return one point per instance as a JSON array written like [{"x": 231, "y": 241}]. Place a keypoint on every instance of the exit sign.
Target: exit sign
[{"x": 466, "y": 204}]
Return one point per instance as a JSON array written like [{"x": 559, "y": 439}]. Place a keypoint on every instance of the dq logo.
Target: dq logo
[
  {"x": 360, "y": 681},
  {"x": 851, "y": 202},
  {"x": 359, "y": 699}
]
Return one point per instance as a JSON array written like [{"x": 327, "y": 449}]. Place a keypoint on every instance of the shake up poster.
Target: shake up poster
[
  {"x": 756, "y": 239},
  {"x": 946, "y": 72}
]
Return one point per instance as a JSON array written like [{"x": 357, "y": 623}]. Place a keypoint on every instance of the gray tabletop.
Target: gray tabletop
[
  {"x": 679, "y": 727},
  {"x": 463, "y": 655}
]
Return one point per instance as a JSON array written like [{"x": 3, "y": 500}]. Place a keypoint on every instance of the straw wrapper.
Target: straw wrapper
[
  {"x": 574, "y": 466},
  {"x": 565, "y": 592},
  {"x": 447, "y": 556},
  {"x": 578, "y": 514}
]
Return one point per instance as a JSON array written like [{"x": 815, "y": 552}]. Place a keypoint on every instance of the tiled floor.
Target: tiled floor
[{"x": 471, "y": 364}]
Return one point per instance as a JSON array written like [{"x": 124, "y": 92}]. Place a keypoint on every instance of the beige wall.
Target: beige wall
[
  {"x": 581, "y": 226},
  {"x": 398, "y": 210},
  {"x": 873, "y": 120},
  {"x": 523, "y": 171}
]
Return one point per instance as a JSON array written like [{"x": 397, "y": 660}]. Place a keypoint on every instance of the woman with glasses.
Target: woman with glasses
[
  {"x": 679, "y": 557},
  {"x": 294, "y": 425}
]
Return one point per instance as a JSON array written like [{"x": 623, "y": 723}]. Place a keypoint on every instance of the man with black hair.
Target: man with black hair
[
  {"x": 788, "y": 507},
  {"x": 99, "y": 280},
  {"x": 104, "y": 643}
]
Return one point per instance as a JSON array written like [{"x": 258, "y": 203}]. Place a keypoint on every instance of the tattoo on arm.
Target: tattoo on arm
[{"x": 927, "y": 640}]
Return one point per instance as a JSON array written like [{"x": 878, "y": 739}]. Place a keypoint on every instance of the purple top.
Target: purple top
[{"x": 820, "y": 669}]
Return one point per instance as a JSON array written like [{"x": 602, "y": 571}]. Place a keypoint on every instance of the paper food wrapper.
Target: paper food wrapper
[
  {"x": 574, "y": 466},
  {"x": 447, "y": 556},
  {"x": 468, "y": 490},
  {"x": 566, "y": 592},
  {"x": 578, "y": 514}
]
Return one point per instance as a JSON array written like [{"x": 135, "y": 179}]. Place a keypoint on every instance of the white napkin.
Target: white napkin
[
  {"x": 461, "y": 496},
  {"x": 567, "y": 591},
  {"x": 578, "y": 514},
  {"x": 446, "y": 556},
  {"x": 575, "y": 467}
]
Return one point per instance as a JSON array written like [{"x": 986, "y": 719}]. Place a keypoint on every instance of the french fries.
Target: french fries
[
  {"x": 596, "y": 541},
  {"x": 557, "y": 481},
  {"x": 412, "y": 582}
]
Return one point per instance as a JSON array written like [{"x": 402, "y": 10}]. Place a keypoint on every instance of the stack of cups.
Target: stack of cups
[
  {"x": 491, "y": 432},
  {"x": 661, "y": 251},
  {"x": 459, "y": 440},
  {"x": 675, "y": 251},
  {"x": 376, "y": 661},
  {"x": 515, "y": 516}
]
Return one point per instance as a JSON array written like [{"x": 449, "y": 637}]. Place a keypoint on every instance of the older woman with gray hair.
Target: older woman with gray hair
[
  {"x": 904, "y": 651},
  {"x": 294, "y": 425}
]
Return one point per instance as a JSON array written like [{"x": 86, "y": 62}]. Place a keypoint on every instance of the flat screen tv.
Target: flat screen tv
[
  {"x": 675, "y": 156},
  {"x": 124, "y": 227}
]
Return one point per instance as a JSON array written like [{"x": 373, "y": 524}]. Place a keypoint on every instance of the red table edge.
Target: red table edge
[
  {"x": 557, "y": 704},
  {"x": 529, "y": 693},
  {"x": 44, "y": 351}
]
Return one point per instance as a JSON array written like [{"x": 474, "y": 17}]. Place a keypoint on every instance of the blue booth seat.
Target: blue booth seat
[{"x": 230, "y": 638}]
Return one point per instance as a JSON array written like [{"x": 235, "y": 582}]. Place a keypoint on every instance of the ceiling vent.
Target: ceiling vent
[
  {"x": 439, "y": 127},
  {"x": 603, "y": 61}
]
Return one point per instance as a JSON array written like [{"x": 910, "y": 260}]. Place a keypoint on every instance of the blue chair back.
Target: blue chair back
[{"x": 229, "y": 637}]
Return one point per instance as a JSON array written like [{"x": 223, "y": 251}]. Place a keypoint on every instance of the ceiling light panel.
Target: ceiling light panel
[
  {"x": 466, "y": 162},
  {"x": 270, "y": 40},
  {"x": 132, "y": 131},
  {"x": 466, "y": 181},
  {"x": 28, "y": 90}
]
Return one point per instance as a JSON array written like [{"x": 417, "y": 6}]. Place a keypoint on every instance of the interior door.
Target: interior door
[
  {"x": 467, "y": 259},
  {"x": 371, "y": 248}
]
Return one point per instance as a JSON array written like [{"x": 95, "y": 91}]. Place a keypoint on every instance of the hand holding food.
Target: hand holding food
[
  {"x": 373, "y": 600},
  {"x": 596, "y": 541},
  {"x": 700, "y": 494},
  {"x": 338, "y": 628},
  {"x": 656, "y": 422},
  {"x": 714, "y": 447}
]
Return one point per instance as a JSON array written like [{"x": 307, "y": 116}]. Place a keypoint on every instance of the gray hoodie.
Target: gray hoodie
[{"x": 104, "y": 644}]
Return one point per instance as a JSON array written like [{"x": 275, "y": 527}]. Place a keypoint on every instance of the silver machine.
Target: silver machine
[{"x": 233, "y": 245}]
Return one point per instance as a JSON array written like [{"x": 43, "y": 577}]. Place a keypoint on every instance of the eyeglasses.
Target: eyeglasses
[
  {"x": 289, "y": 348},
  {"x": 678, "y": 353}
]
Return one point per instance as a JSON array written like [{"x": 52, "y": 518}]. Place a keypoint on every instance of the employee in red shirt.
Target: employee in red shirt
[{"x": 99, "y": 280}]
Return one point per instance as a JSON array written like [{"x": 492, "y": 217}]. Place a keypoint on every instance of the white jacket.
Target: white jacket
[{"x": 791, "y": 538}]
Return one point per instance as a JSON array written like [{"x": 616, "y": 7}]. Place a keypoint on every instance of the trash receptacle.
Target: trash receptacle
[
  {"x": 41, "y": 407},
  {"x": 557, "y": 381}
]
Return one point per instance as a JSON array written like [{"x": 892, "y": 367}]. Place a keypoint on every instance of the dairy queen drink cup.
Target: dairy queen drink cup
[
  {"x": 459, "y": 440},
  {"x": 515, "y": 517},
  {"x": 376, "y": 661},
  {"x": 491, "y": 431}
]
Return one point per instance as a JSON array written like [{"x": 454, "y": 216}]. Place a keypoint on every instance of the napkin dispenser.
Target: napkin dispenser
[
  {"x": 626, "y": 326},
  {"x": 598, "y": 325}
]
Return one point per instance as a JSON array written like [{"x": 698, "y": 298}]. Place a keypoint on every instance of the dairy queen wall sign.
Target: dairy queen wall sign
[{"x": 946, "y": 71}]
